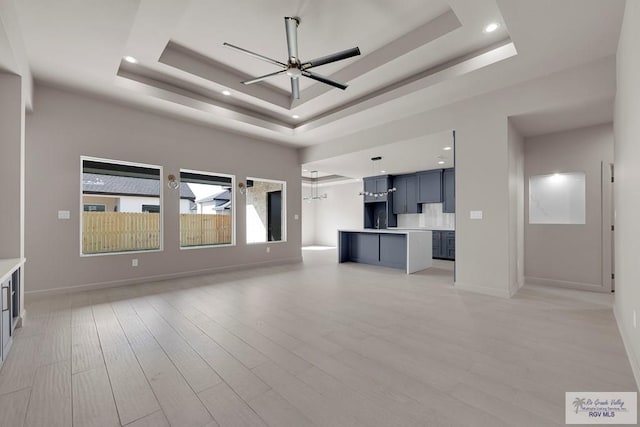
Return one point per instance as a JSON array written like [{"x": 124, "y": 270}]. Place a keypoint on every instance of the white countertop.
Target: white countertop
[
  {"x": 8, "y": 266},
  {"x": 386, "y": 230}
]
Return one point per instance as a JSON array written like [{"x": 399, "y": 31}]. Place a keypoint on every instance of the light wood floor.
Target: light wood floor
[{"x": 318, "y": 344}]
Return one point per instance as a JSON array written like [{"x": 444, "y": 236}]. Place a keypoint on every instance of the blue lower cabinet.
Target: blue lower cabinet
[
  {"x": 393, "y": 250},
  {"x": 387, "y": 250},
  {"x": 444, "y": 245},
  {"x": 449, "y": 244},
  {"x": 437, "y": 244},
  {"x": 364, "y": 247}
]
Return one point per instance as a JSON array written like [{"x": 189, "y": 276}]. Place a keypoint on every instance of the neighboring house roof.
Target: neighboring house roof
[
  {"x": 93, "y": 183},
  {"x": 220, "y": 200},
  {"x": 224, "y": 195}
]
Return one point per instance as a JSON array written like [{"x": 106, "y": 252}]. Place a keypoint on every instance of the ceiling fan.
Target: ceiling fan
[{"x": 295, "y": 68}]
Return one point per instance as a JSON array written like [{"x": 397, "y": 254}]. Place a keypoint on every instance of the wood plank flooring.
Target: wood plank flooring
[{"x": 315, "y": 344}]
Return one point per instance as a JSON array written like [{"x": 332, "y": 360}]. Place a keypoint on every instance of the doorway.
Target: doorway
[
  {"x": 274, "y": 216},
  {"x": 568, "y": 209}
]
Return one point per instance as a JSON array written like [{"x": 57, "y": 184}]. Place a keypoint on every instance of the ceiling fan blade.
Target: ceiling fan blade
[
  {"x": 291, "y": 26},
  {"x": 295, "y": 88},
  {"x": 255, "y": 55},
  {"x": 261, "y": 78},
  {"x": 338, "y": 56},
  {"x": 324, "y": 79}
]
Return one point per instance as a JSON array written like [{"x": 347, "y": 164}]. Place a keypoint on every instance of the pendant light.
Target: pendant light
[
  {"x": 376, "y": 168},
  {"x": 314, "y": 189}
]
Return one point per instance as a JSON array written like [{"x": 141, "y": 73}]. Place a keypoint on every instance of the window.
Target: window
[
  {"x": 266, "y": 207},
  {"x": 94, "y": 208},
  {"x": 120, "y": 207},
  {"x": 558, "y": 198},
  {"x": 151, "y": 208},
  {"x": 206, "y": 209}
]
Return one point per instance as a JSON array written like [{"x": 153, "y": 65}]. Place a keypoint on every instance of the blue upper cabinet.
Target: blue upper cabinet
[
  {"x": 449, "y": 190},
  {"x": 413, "y": 205},
  {"x": 405, "y": 198},
  {"x": 430, "y": 186},
  {"x": 369, "y": 187},
  {"x": 377, "y": 185},
  {"x": 400, "y": 195}
]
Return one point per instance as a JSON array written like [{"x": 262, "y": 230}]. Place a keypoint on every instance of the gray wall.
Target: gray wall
[
  {"x": 308, "y": 218},
  {"x": 343, "y": 208},
  {"x": 568, "y": 255},
  {"x": 12, "y": 169},
  {"x": 65, "y": 126},
  {"x": 11, "y": 115},
  {"x": 516, "y": 209},
  {"x": 627, "y": 189}
]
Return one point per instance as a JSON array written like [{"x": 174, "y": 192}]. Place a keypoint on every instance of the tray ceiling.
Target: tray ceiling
[{"x": 407, "y": 47}]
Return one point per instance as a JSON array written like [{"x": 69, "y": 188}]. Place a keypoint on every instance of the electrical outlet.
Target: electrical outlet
[
  {"x": 635, "y": 320},
  {"x": 134, "y": 262},
  {"x": 268, "y": 249}
]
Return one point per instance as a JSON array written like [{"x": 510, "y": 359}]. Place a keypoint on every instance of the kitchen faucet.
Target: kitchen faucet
[{"x": 384, "y": 219}]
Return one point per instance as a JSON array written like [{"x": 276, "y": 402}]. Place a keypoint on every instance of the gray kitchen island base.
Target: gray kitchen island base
[{"x": 409, "y": 250}]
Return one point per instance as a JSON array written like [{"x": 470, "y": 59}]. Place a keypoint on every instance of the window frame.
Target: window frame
[
  {"x": 284, "y": 212},
  {"x": 161, "y": 202},
  {"x": 233, "y": 210},
  {"x": 104, "y": 207}
]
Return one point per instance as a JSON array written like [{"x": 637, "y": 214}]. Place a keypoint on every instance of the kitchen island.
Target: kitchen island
[{"x": 409, "y": 250}]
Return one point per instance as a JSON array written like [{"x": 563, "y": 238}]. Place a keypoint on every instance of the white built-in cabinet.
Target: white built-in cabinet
[{"x": 9, "y": 296}]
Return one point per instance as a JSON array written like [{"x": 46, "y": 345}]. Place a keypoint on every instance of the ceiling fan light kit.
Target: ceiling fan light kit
[{"x": 294, "y": 68}]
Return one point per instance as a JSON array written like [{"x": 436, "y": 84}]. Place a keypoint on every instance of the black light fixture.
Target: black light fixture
[
  {"x": 376, "y": 170},
  {"x": 314, "y": 189}
]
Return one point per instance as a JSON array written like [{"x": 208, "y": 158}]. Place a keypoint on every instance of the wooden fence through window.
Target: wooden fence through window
[
  {"x": 104, "y": 232},
  {"x": 204, "y": 229}
]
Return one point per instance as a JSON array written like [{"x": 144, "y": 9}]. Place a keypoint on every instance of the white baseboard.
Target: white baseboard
[
  {"x": 494, "y": 292},
  {"x": 146, "y": 279},
  {"x": 566, "y": 284},
  {"x": 626, "y": 340},
  {"x": 515, "y": 288}
]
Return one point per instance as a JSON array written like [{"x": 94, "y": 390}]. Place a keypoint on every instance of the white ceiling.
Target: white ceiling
[
  {"x": 416, "y": 55},
  {"x": 577, "y": 116},
  {"x": 398, "y": 158},
  {"x": 326, "y": 26}
]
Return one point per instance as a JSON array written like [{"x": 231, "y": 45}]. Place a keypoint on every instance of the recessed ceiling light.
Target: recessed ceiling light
[
  {"x": 130, "y": 59},
  {"x": 491, "y": 27},
  {"x": 295, "y": 116},
  {"x": 226, "y": 93},
  {"x": 305, "y": 170},
  {"x": 441, "y": 162},
  {"x": 383, "y": 171},
  {"x": 447, "y": 148}
]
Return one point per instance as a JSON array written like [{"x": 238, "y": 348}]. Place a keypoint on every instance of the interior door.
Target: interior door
[
  {"x": 274, "y": 216},
  {"x": 608, "y": 228}
]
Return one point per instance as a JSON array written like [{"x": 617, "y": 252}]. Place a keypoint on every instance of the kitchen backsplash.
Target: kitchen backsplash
[{"x": 431, "y": 217}]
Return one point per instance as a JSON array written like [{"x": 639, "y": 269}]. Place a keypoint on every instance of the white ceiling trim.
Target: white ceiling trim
[{"x": 248, "y": 114}]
